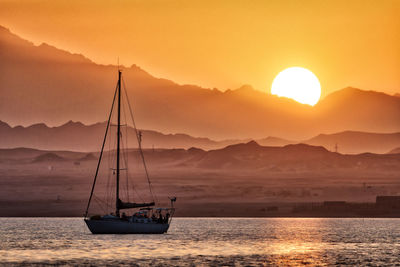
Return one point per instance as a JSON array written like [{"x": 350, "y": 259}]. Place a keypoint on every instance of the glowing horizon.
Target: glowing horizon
[{"x": 226, "y": 44}]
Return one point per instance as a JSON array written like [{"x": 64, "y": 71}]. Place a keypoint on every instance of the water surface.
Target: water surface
[{"x": 205, "y": 242}]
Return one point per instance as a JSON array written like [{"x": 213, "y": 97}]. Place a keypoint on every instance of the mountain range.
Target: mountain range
[
  {"x": 352, "y": 142},
  {"x": 395, "y": 151},
  {"x": 75, "y": 136},
  {"x": 45, "y": 84},
  {"x": 243, "y": 157}
]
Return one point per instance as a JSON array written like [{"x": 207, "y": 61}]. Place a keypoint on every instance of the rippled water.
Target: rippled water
[{"x": 204, "y": 242}]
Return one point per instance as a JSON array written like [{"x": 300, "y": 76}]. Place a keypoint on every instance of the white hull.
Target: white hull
[{"x": 125, "y": 227}]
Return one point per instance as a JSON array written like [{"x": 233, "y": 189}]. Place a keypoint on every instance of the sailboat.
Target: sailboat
[{"x": 145, "y": 218}]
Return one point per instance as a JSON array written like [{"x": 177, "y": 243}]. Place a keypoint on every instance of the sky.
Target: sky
[{"x": 225, "y": 44}]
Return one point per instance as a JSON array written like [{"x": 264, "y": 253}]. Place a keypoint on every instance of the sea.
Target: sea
[{"x": 205, "y": 242}]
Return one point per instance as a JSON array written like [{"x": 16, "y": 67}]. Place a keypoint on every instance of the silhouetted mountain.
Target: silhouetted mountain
[
  {"x": 351, "y": 142},
  {"x": 394, "y": 151},
  {"x": 45, "y": 84},
  {"x": 299, "y": 157},
  {"x": 19, "y": 153},
  {"x": 274, "y": 141},
  {"x": 88, "y": 156},
  {"x": 48, "y": 157},
  {"x": 358, "y": 110},
  {"x": 251, "y": 156},
  {"x": 75, "y": 136},
  {"x": 246, "y": 157}
]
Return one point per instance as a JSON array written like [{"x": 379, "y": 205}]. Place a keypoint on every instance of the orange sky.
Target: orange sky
[{"x": 225, "y": 44}]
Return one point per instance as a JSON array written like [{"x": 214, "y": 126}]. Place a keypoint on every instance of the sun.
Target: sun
[{"x": 299, "y": 84}]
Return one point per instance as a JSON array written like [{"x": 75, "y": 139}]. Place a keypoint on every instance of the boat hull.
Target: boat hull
[{"x": 125, "y": 227}]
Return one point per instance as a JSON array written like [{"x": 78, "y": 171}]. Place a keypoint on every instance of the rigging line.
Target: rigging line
[
  {"x": 137, "y": 193},
  {"x": 112, "y": 143},
  {"x": 125, "y": 156},
  {"x": 126, "y": 163},
  {"x": 100, "y": 204},
  {"x": 110, "y": 187},
  {"x": 132, "y": 185},
  {"x": 126, "y": 152},
  {"x": 108, "y": 191},
  {"x": 112, "y": 157},
  {"x": 139, "y": 141},
  {"x": 99, "y": 199},
  {"x": 101, "y": 153}
]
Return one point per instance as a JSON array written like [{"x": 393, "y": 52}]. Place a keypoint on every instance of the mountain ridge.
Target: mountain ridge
[
  {"x": 243, "y": 157},
  {"x": 87, "y": 138},
  {"x": 76, "y": 136},
  {"x": 41, "y": 85}
]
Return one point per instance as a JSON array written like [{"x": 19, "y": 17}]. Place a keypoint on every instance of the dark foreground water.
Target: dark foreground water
[{"x": 204, "y": 242}]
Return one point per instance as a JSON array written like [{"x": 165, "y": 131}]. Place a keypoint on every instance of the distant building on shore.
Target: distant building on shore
[{"x": 385, "y": 206}]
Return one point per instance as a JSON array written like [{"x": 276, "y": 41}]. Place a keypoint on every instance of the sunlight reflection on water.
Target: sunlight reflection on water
[{"x": 204, "y": 241}]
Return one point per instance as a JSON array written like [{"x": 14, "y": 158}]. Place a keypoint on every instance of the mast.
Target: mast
[
  {"x": 118, "y": 203},
  {"x": 118, "y": 143}
]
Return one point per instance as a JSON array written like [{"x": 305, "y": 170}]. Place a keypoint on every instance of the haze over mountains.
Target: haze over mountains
[
  {"x": 244, "y": 157},
  {"x": 45, "y": 84},
  {"x": 57, "y": 183},
  {"x": 75, "y": 136},
  {"x": 351, "y": 142}
]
